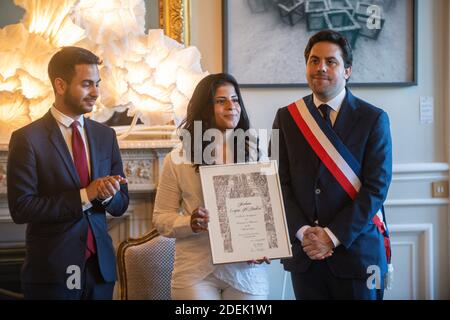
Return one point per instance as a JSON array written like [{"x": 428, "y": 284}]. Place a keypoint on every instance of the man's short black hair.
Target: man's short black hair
[
  {"x": 333, "y": 37},
  {"x": 62, "y": 64}
]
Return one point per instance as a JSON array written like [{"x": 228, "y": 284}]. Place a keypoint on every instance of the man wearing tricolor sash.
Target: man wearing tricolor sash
[{"x": 335, "y": 166}]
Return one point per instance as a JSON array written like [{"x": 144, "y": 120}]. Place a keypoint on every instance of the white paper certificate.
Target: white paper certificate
[{"x": 247, "y": 219}]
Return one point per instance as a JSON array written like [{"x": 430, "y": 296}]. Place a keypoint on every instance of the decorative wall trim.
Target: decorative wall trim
[
  {"x": 420, "y": 177},
  {"x": 420, "y": 171},
  {"x": 416, "y": 202},
  {"x": 425, "y": 229},
  {"x": 421, "y": 167},
  {"x": 148, "y": 144},
  {"x": 413, "y": 248}
]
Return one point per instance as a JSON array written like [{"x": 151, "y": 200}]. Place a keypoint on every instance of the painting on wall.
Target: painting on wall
[{"x": 264, "y": 40}]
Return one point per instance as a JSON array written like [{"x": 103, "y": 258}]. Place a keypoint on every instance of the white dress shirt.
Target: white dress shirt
[
  {"x": 335, "y": 105},
  {"x": 64, "y": 123},
  {"x": 179, "y": 193}
]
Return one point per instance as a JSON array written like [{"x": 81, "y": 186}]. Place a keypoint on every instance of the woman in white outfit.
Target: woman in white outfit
[{"x": 179, "y": 213}]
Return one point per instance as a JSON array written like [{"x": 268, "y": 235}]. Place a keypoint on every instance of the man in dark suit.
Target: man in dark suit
[
  {"x": 335, "y": 165},
  {"x": 64, "y": 173}
]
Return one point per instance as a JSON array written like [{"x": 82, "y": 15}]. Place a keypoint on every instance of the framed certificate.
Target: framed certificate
[{"x": 247, "y": 217}]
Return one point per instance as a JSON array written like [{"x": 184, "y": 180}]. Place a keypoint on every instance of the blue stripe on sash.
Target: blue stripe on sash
[{"x": 332, "y": 136}]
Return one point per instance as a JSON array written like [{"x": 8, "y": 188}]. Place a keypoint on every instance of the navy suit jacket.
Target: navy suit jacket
[
  {"x": 44, "y": 192},
  {"x": 309, "y": 190}
]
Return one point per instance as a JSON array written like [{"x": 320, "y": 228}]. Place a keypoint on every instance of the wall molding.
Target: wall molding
[
  {"x": 419, "y": 177},
  {"x": 413, "y": 249},
  {"x": 419, "y": 173},
  {"x": 420, "y": 167},
  {"x": 425, "y": 230},
  {"x": 416, "y": 202}
]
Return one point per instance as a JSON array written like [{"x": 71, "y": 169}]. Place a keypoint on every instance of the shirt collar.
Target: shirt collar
[
  {"x": 334, "y": 103},
  {"x": 64, "y": 119}
]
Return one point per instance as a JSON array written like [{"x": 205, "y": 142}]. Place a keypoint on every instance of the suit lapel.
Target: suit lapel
[
  {"x": 93, "y": 147},
  {"x": 56, "y": 138},
  {"x": 347, "y": 117},
  {"x": 345, "y": 121}
]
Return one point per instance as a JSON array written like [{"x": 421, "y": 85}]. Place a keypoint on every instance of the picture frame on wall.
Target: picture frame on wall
[{"x": 264, "y": 40}]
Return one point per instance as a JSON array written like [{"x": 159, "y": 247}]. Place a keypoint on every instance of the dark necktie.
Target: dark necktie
[
  {"x": 81, "y": 164},
  {"x": 325, "y": 110}
]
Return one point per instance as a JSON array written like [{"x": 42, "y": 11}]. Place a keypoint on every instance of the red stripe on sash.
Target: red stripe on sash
[
  {"x": 321, "y": 152},
  {"x": 387, "y": 243}
]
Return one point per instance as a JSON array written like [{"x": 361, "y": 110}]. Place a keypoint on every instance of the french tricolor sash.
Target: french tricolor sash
[{"x": 334, "y": 155}]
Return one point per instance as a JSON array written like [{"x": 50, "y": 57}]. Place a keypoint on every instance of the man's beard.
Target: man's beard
[{"x": 74, "y": 104}]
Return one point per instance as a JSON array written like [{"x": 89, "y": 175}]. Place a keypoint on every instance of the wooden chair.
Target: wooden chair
[{"x": 145, "y": 267}]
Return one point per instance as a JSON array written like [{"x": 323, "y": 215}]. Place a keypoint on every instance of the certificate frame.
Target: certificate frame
[{"x": 247, "y": 215}]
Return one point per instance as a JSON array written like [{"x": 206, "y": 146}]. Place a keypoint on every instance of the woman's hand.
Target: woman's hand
[
  {"x": 199, "y": 219},
  {"x": 259, "y": 261}
]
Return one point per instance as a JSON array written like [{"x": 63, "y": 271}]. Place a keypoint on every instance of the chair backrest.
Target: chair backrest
[{"x": 145, "y": 267}]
